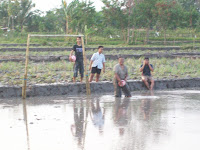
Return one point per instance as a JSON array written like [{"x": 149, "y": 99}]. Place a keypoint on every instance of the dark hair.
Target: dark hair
[
  {"x": 79, "y": 37},
  {"x": 100, "y": 47},
  {"x": 120, "y": 56},
  {"x": 146, "y": 58}
]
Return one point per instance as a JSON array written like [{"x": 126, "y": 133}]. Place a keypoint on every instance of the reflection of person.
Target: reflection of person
[
  {"x": 97, "y": 116},
  {"x": 146, "y": 69},
  {"x": 97, "y": 63},
  {"x": 77, "y": 128},
  {"x": 79, "y": 59},
  {"x": 121, "y": 73},
  {"x": 121, "y": 114},
  {"x": 146, "y": 107}
]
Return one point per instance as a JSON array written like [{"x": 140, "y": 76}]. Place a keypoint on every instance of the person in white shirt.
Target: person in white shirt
[{"x": 97, "y": 63}]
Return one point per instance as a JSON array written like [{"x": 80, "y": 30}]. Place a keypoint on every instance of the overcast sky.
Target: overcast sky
[{"x": 45, "y": 5}]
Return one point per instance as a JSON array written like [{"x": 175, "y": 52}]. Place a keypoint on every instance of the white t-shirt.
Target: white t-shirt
[{"x": 98, "y": 60}]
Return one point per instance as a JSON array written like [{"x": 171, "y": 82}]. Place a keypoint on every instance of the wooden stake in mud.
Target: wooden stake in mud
[
  {"x": 85, "y": 67},
  {"x": 26, "y": 68}
]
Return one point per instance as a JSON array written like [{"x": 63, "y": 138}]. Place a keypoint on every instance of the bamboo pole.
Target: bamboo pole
[
  {"x": 27, "y": 60},
  {"x": 26, "y": 68},
  {"x": 85, "y": 68},
  {"x": 86, "y": 121},
  {"x": 26, "y": 123}
]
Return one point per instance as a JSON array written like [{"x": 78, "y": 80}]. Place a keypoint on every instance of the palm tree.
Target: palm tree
[
  {"x": 68, "y": 9},
  {"x": 25, "y": 12}
]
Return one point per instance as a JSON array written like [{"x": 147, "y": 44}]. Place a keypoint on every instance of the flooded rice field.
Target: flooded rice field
[{"x": 160, "y": 120}]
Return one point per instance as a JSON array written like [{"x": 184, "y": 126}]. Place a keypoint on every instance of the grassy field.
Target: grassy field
[
  {"x": 66, "y": 53},
  {"x": 11, "y": 73},
  {"x": 61, "y": 72}
]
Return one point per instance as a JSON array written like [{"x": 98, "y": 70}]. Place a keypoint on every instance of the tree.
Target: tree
[
  {"x": 145, "y": 15},
  {"x": 164, "y": 12},
  {"x": 115, "y": 15},
  {"x": 25, "y": 12},
  {"x": 3, "y": 13},
  {"x": 13, "y": 10}
]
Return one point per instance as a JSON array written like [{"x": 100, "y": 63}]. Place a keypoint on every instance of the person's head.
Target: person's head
[
  {"x": 100, "y": 49},
  {"x": 146, "y": 60},
  {"x": 78, "y": 40},
  {"x": 121, "y": 60}
]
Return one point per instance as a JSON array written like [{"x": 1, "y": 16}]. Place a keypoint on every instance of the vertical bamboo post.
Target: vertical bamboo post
[
  {"x": 26, "y": 68},
  {"x": 85, "y": 68},
  {"x": 26, "y": 122}
]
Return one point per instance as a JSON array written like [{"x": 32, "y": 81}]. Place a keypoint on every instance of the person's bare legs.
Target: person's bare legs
[
  {"x": 91, "y": 77},
  {"x": 74, "y": 79},
  {"x": 97, "y": 77},
  {"x": 145, "y": 82},
  {"x": 81, "y": 79},
  {"x": 152, "y": 84}
]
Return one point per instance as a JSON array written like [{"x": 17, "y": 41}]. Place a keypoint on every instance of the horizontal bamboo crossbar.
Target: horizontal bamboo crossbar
[{"x": 64, "y": 35}]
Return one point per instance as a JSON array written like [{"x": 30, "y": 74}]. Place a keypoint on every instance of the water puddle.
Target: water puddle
[{"x": 161, "y": 120}]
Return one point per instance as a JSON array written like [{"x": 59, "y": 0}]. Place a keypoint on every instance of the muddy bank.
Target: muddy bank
[
  {"x": 39, "y": 49},
  {"x": 101, "y": 87},
  {"x": 108, "y": 57}
]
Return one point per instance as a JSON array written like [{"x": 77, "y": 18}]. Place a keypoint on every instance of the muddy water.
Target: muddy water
[{"x": 163, "y": 120}]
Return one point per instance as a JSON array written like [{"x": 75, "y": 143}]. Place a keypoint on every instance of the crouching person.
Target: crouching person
[
  {"x": 120, "y": 79},
  {"x": 146, "y": 68}
]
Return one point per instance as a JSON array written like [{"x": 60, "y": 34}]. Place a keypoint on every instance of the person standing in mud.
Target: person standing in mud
[
  {"x": 146, "y": 68},
  {"x": 79, "y": 66},
  {"x": 97, "y": 63},
  {"x": 97, "y": 116},
  {"x": 120, "y": 79},
  {"x": 77, "y": 128}
]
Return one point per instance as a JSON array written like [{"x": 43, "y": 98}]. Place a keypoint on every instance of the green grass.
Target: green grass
[
  {"x": 62, "y": 71},
  {"x": 66, "y": 53}
]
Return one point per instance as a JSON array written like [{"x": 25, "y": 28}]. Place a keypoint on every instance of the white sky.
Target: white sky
[{"x": 45, "y": 5}]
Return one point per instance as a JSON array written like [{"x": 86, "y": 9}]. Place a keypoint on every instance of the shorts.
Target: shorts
[
  {"x": 78, "y": 66},
  {"x": 147, "y": 78},
  {"x": 96, "y": 70}
]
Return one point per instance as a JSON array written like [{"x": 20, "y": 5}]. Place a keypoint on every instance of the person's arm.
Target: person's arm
[
  {"x": 104, "y": 67},
  {"x": 117, "y": 77},
  {"x": 151, "y": 67},
  {"x": 126, "y": 75},
  {"x": 92, "y": 60},
  {"x": 104, "y": 60},
  {"x": 142, "y": 68},
  {"x": 71, "y": 53},
  {"x": 90, "y": 67}
]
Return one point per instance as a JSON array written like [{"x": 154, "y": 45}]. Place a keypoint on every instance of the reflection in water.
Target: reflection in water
[
  {"x": 26, "y": 122},
  {"x": 121, "y": 114},
  {"x": 146, "y": 105},
  {"x": 97, "y": 116},
  {"x": 167, "y": 122},
  {"x": 77, "y": 127}
]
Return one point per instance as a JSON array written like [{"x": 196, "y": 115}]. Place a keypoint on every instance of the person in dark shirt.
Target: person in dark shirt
[
  {"x": 79, "y": 59},
  {"x": 146, "y": 70}
]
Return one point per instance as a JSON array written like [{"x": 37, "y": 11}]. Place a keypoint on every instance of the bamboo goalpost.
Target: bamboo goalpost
[{"x": 27, "y": 60}]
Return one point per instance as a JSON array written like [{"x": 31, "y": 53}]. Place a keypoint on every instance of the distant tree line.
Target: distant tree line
[{"x": 117, "y": 17}]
